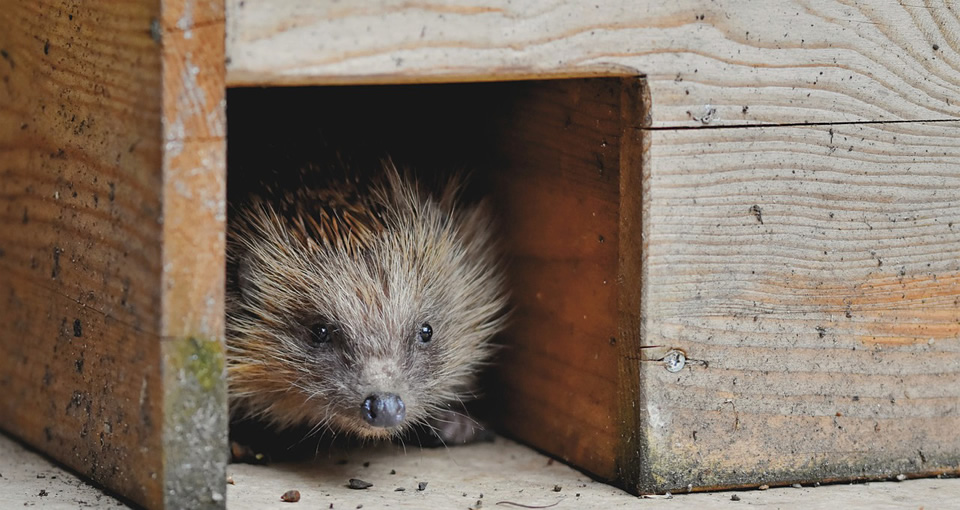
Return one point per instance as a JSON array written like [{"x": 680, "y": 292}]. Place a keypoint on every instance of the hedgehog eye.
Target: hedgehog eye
[
  {"x": 320, "y": 333},
  {"x": 425, "y": 334}
]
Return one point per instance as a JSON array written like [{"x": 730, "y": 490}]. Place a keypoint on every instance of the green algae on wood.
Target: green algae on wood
[{"x": 195, "y": 423}]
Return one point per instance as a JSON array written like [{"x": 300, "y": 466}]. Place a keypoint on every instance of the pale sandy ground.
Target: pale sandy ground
[{"x": 502, "y": 472}]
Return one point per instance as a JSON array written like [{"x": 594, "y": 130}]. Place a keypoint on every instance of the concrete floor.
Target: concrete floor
[{"x": 501, "y": 474}]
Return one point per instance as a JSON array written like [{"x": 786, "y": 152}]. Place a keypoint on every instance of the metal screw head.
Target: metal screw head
[{"x": 674, "y": 361}]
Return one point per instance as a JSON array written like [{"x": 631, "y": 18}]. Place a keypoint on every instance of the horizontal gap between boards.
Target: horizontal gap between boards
[{"x": 797, "y": 124}]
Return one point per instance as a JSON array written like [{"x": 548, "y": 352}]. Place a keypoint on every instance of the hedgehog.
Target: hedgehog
[{"x": 364, "y": 306}]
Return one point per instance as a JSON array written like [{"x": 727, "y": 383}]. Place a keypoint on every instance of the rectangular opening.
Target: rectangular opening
[{"x": 560, "y": 161}]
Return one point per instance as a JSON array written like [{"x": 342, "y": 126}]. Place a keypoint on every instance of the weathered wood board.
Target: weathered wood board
[
  {"x": 558, "y": 190},
  {"x": 112, "y": 243},
  {"x": 814, "y": 270},
  {"x": 787, "y": 61}
]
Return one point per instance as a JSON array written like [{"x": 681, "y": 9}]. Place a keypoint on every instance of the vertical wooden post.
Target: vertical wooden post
[{"x": 112, "y": 218}]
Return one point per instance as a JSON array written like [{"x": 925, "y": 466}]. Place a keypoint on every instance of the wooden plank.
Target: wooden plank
[
  {"x": 81, "y": 151},
  {"x": 708, "y": 63},
  {"x": 632, "y": 453},
  {"x": 817, "y": 271},
  {"x": 506, "y": 471},
  {"x": 109, "y": 363},
  {"x": 196, "y": 418},
  {"x": 558, "y": 190}
]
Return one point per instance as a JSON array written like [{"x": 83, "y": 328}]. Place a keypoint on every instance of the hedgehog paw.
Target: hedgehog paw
[{"x": 450, "y": 427}]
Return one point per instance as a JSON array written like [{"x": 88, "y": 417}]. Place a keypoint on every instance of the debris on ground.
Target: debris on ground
[
  {"x": 666, "y": 495},
  {"x": 356, "y": 483},
  {"x": 521, "y": 505}
]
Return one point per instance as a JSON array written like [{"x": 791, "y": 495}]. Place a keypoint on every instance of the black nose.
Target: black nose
[{"x": 386, "y": 410}]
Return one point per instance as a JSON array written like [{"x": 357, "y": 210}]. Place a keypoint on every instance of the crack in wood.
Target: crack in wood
[{"x": 795, "y": 124}]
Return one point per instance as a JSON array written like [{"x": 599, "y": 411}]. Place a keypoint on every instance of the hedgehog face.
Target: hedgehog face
[{"x": 367, "y": 340}]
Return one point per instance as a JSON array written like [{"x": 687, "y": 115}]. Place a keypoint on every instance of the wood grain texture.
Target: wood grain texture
[
  {"x": 812, "y": 272},
  {"x": 193, "y": 276},
  {"x": 719, "y": 63},
  {"x": 80, "y": 137},
  {"x": 558, "y": 190},
  {"x": 104, "y": 348},
  {"x": 631, "y": 458}
]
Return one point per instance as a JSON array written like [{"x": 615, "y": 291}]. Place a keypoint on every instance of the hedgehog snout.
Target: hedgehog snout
[{"x": 383, "y": 410}]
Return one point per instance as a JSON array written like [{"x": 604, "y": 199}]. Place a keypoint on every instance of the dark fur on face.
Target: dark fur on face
[{"x": 351, "y": 291}]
